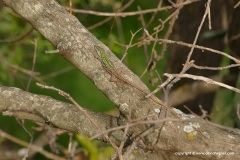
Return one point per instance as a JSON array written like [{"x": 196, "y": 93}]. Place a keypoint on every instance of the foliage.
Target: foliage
[{"x": 94, "y": 148}]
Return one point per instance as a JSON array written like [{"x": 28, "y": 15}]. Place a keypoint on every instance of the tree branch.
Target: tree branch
[
  {"x": 76, "y": 45},
  {"x": 44, "y": 109}
]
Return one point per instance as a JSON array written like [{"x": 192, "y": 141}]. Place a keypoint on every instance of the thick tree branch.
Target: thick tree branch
[
  {"x": 76, "y": 44},
  {"x": 44, "y": 109},
  {"x": 25, "y": 105}
]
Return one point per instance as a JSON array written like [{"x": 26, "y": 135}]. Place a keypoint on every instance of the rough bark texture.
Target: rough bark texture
[
  {"x": 44, "y": 109},
  {"x": 76, "y": 45}
]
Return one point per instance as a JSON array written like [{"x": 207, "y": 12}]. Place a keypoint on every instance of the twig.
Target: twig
[
  {"x": 67, "y": 96},
  {"x": 33, "y": 147},
  {"x": 196, "y": 37},
  {"x": 238, "y": 111},
  {"x": 195, "y": 46},
  {"x": 154, "y": 14},
  {"x": 130, "y": 43},
  {"x": 191, "y": 91},
  {"x": 201, "y": 78},
  {"x": 115, "y": 19},
  {"x": 188, "y": 62},
  {"x": 19, "y": 38},
  {"x": 70, "y": 6},
  {"x": 216, "y": 68},
  {"x": 171, "y": 79},
  {"x": 57, "y": 73},
  {"x": 125, "y": 14},
  {"x": 195, "y": 40},
  {"x": 124, "y": 137},
  {"x": 237, "y": 5},
  {"x": 155, "y": 58},
  {"x": 172, "y": 18},
  {"x": 52, "y": 136},
  {"x": 159, "y": 87},
  {"x": 71, "y": 147},
  {"x": 134, "y": 124},
  {"x": 34, "y": 63},
  {"x": 109, "y": 18},
  {"x": 21, "y": 123},
  {"x": 52, "y": 51},
  {"x": 209, "y": 16},
  {"x": 144, "y": 35},
  {"x": 23, "y": 70}
]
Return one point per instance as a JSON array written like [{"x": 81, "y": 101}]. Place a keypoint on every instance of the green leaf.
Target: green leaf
[{"x": 91, "y": 148}]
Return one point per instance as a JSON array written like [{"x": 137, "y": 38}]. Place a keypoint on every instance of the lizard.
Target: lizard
[{"x": 110, "y": 68}]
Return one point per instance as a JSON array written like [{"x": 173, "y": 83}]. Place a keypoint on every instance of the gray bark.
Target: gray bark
[{"x": 76, "y": 44}]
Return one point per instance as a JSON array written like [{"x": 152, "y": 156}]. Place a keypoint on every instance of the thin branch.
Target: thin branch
[
  {"x": 115, "y": 19},
  {"x": 125, "y": 14},
  {"x": 154, "y": 14},
  {"x": 67, "y": 96},
  {"x": 109, "y": 18},
  {"x": 124, "y": 137},
  {"x": 188, "y": 62},
  {"x": 160, "y": 40},
  {"x": 57, "y": 73},
  {"x": 130, "y": 43},
  {"x": 216, "y": 68},
  {"x": 21, "y": 123},
  {"x": 209, "y": 16},
  {"x": 19, "y": 38},
  {"x": 20, "y": 69},
  {"x": 237, "y": 5},
  {"x": 238, "y": 111},
  {"x": 157, "y": 121},
  {"x": 144, "y": 35},
  {"x": 195, "y": 46},
  {"x": 34, "y": 63},
  {"x": 152, "y": 62},
  {"x": 15, "y": 67},
  {"x": 33, "y": 147},
  {"x": 156, "y": 57},
  {"x": 52, "y": 51},
  {"x": 201, "y": 78},
  {"x": 196, "y": 37},
  {"x": 70, "y": 6}
]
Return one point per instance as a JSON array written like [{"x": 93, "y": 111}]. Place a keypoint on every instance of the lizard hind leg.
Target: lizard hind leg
[
  {"x": 116, "y": 81},
  {"x": 113, "y": 79}
]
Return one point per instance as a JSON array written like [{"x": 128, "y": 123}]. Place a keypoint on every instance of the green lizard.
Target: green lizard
[{"x": 110, "y": 68}]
